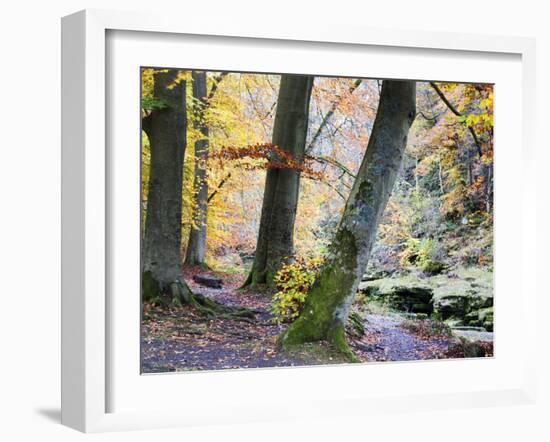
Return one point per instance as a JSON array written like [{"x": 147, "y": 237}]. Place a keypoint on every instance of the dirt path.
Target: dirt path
[
  {"x": 386, "y": 340},
  {"x": 179, "y": 339}
]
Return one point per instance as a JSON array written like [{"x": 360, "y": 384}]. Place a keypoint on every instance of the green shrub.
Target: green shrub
[
  {"x": 425, "y": 254},
  {"x": 417, "y": 252},
  {"x": 293, "y": 282},
  {"x": 409, "y": 254}
]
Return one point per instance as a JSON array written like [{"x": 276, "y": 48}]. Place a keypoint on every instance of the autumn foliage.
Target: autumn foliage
[{"x": 268, "y": 156}]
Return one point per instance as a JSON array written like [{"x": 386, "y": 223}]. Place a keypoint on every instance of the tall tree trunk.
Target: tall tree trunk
[
  {"x": 166, "y": 128},
  {"x": 276, "y": 234},
  {"x": 488, "y": 188},
  {"x": 440, "y": 175},
  {"x": 327, "y": 306},
  {"x": 196, "y": 246}
]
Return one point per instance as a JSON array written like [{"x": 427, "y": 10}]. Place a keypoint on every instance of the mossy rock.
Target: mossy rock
[
  {"x": 452, "y": 306},
  {"x": 486, "y": 318},
  {"x": 374, "y": 274},
  {"x": 445, "y": 296},
  {"x": 486, "y": 314},
  {"x": 482, "y": 302},
  {"x": 433, "y": 267},
  {"x": 408, "y": 294},
  {"x": 480, "y": 318}
]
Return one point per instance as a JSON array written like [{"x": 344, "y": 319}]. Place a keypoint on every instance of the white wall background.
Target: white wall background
[{"x": 30, "y": 215}]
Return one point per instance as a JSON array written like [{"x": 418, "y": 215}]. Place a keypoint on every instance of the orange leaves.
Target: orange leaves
[{"x": 270, "y": 156}]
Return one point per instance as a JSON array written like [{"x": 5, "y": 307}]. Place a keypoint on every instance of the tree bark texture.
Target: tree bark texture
[
  {"x": 275, "y": 243},
  {"x": 327, "y": 305},
  {"x": 196, "y": 246},
  {"x": 166, "y": 128}
]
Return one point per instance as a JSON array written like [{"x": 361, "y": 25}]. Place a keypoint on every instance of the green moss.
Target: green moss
[
  {"x": 433, "y": 267},
  {"x": 150, "y": 289},
  {"x": 315, "y": 353},
  {"x": 486, "y": 314},
  {"x": 318, "y": 320},
  {"x": 255, "y": 278},
  {"x": 337, "y": 337},
  {"x": 463, "y": 281},
  {"x": 365, "y": 193}
]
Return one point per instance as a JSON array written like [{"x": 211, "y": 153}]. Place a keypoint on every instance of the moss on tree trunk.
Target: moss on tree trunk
[
  {"x": 328, "y": 303},
  {"x": 161, "y": 278}
]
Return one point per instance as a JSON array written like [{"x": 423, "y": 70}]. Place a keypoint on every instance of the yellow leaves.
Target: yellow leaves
[
  {"x": 487, "y": 103},
  {"x": 293, "y": 281},
  {"x": 452, "y": 203},
  {"x": 147, "y": 82}
]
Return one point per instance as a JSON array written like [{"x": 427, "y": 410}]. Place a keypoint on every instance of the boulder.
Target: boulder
[
  {"x": 452, "y": 306},
  {"x": 404, "y": 294},
  {"x": 484, "y": 318},
  {"x": 374, "y": 274},
  {"x": 463, "y": 297}
]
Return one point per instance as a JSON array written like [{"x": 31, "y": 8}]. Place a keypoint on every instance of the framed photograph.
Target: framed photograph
[{"x": 266, "y": 224}]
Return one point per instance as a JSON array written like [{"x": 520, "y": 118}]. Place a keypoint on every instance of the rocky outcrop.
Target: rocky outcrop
[
  {"x": 466, "y": 309},
  {"x": 463, "y": 297},
  {"x": 481, "y": 318},
  {"x": 401, "y": 295}
]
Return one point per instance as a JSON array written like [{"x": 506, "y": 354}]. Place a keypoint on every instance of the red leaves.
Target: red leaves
[{"x": 274, "y": 158}]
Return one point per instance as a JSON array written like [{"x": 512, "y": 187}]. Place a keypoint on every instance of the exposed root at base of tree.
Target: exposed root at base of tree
[
  {"x": 336, "y": 336},
  {"x": 257, "y": 280},
  {"x": 182, "y": 294},
  {"x": 335, "y": 339},
  {"x": 178, "y": 294},
  {"x": 355, "y": 327},
  {"x": 321, "y": 350}
]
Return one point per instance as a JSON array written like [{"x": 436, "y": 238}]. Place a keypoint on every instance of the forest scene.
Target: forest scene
[{"x": 295, "y": 220}]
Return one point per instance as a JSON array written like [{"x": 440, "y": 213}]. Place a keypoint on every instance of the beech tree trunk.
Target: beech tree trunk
[
  {"x": 196, "y": 246},
  {"x": 276, "y": 233},
  {"x": 166, "y": 128},
  {"x": 327, "y": 306}
]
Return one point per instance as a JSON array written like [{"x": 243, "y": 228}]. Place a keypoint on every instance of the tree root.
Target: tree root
[
  {"x": 336, "y": 337},
  {"x": 207, "y": 306},
  {"x": 355, "y": 327}
]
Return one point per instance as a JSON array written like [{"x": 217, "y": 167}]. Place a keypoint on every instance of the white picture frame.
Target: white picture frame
[{"x": 86, "y": 315}]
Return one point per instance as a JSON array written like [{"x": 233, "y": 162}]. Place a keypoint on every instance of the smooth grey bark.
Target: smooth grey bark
[
  {"x": 196, "y": 246},
  {"x": 166, "y": 128},
  {"x": 327, "y": 305},
  {"x": 275, "y": 243}
]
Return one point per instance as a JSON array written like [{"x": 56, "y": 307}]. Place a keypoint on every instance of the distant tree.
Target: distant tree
[
  {"x": 275, "y": 239},
  {"x": 196, "y": 246},
  {"x": 328, "y": 303}
]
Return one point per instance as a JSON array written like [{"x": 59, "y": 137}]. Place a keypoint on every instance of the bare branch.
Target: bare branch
[
  {"x": 218, "y": 187},
  {"x": 329, "y": 114},
  {"x": 335, "y": 163},
  {"x": 458, "y": 114}
]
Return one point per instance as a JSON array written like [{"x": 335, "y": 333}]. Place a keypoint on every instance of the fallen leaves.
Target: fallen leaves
[{"x": 180, "y": 339}]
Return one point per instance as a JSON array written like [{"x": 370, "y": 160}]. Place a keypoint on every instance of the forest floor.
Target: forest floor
[{"x": 180, "y": 339}]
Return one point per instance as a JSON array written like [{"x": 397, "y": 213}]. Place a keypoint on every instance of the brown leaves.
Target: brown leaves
[{"x": 271, "y": 156}]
